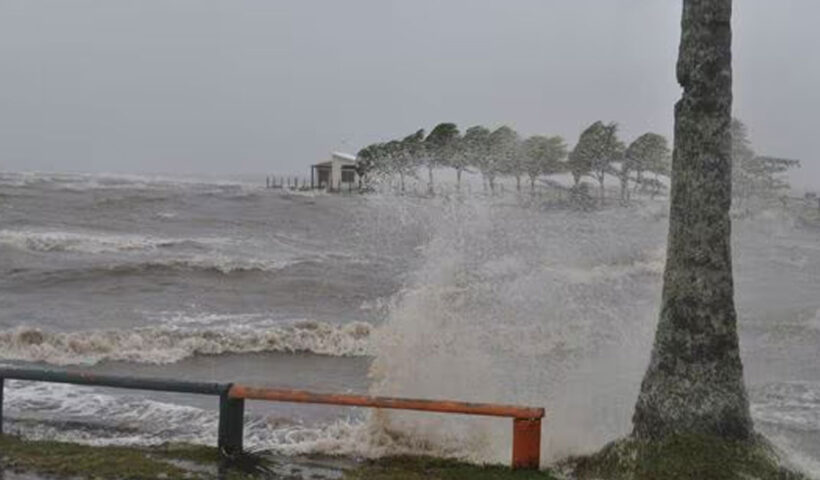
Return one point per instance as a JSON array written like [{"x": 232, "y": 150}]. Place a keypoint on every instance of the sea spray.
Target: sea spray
[{"x": 522, "y": 306}]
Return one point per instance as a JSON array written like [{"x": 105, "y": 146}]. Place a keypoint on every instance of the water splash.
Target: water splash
[{"x": 523, "y": 306}]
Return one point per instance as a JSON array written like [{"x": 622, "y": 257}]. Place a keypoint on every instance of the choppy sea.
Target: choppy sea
[{"x": 475, "y": 298}]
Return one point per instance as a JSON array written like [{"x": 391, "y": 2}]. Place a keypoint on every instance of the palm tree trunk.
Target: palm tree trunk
[{"x": 694, "y": 382}]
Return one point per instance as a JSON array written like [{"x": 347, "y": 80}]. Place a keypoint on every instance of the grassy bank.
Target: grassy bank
[
  {"x": 677, "y": 458},
  {"x": 422, "y": 468},
  {"x": 684, "y": 457},
  {"x": 65, "y": 460}
]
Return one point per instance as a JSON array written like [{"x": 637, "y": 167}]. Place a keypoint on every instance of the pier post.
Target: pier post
[{"x": 231, "y": 424}]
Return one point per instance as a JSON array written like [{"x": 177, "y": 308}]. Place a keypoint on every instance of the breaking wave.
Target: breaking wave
[
  {"x": 169, "y": 344},
  {"x": 50, "y": 241},
  {"x": 79, "y": 182},
  {"x": 140, "y": 253},
  {"x": 792, "y": 405},
  {"x": 218, "y": 263}
]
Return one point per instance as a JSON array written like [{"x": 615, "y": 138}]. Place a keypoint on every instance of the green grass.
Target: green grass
[
  {"x": 676, "y": 458},
  {"x": 180, "y": 461},
  {"x": 426, "y": 468},
  {"x": 64, "y": 460},
  {"x": 684, "y": 457}
]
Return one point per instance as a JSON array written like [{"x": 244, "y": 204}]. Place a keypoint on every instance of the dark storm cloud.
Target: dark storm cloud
[{"x": 251, "y": 86}]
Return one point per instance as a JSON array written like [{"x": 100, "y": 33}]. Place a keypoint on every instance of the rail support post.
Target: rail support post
[
  {"x": 526, "y": 451},
  {"x": 231, "y": 424}
]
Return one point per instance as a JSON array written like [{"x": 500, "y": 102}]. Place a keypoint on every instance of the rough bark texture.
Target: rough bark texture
[{"x": 694, "y": 383}]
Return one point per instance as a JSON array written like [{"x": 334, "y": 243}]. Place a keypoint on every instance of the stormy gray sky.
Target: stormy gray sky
[{"x": 241, "y": 86}]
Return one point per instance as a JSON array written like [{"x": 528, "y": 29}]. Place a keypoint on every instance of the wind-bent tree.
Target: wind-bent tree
[
  {"x": 440, "y": 146},
  {"x": 459, "y": 160},
  {"x": 753, "y": 175},
  {"x": 579, "y": 161},
  {"x": 505, "y": 151},
  {"x": 542, "y": 156},
  {"x": 405, "y": 155},
  {"x": 647, "y": 153},
  {"x": 694, "y": 382},
  {"x": 598, "y": 147},
  {"x": 368, "y": 164},
  {"x": 475, "y": 147}
]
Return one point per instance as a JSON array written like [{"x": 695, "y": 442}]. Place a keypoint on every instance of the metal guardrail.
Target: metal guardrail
[{"x": 526, "y": 450}]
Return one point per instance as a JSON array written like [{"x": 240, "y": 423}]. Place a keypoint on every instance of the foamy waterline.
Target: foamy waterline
[
  {"x": 92, "y": 242},
  {"x": 70, "y": 413},
  {"x": 169, "y": 344}
]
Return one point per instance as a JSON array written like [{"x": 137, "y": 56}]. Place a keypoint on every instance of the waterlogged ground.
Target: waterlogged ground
[{"x": 476, "y": 298}]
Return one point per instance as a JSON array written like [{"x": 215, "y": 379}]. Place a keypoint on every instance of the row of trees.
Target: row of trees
[
  {"x": 598, "y": 154},
  {"x": 503, "y": 152}
]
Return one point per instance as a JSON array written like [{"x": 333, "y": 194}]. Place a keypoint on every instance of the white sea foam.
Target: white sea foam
[
  {"x": 41, "y": 411},
  {"x": 214, "y": 261},
  {"x": 91, "y": 242},
  {"x": 146, "y": 252},
  {"x": 168, "y": 344},
  {"x": 95, "y": 181},
  {"x": 793, "y": 405}
]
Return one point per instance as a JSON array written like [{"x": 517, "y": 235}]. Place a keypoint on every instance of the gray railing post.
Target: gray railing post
[{"x": 231, "y": 424}]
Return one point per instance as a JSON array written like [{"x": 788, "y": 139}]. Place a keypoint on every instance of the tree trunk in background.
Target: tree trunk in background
[{"x": 694, "y": 382}]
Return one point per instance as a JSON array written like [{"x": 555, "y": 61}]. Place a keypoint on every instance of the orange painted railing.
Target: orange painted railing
[{"x": 526, "y": 450}]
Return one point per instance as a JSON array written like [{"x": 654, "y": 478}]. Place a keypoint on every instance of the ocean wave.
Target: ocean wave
[
  {"x": 113, "y": 181},
  {"x": 792, "y": 405},
  {"x": 58, "y": 241},
  {"x": 169, "y": 344},
  {"x": 217, "y": 263},
  {"x": 606, "y": 273}
]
